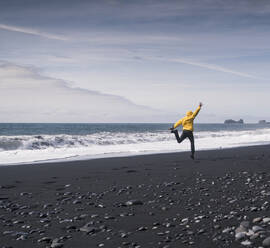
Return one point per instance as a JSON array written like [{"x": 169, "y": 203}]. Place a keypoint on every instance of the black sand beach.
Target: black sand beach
[{"x": 164, "y": 200}]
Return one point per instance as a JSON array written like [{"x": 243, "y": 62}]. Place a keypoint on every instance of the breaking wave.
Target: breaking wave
[{"x": 29, "y": 148}]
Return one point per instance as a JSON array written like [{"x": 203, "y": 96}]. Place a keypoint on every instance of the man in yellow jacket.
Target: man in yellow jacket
[{"x": 187, "y": 123}]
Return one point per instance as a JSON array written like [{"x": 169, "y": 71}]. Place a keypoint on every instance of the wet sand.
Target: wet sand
[{"x": 165, "y": 200}]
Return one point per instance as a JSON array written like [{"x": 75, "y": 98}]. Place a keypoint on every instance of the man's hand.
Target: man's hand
[
  {"x": 171, "y": 128},
  {"x": 200, "y": 104}
]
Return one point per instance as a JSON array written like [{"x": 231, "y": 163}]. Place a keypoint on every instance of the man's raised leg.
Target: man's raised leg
[{"x": 179, "y": 139}]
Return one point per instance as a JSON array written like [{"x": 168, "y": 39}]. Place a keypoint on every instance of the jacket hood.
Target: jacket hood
[{"x": 189, "y": 113}]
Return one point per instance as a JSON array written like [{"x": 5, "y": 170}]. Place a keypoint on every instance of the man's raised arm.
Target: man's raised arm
[{"x": 197, "y": 110}]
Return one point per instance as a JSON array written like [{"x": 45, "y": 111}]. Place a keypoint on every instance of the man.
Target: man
[{"x": 187, "y": 123}]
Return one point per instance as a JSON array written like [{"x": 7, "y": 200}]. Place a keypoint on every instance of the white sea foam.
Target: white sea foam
[{"x": 33, "y": 148}]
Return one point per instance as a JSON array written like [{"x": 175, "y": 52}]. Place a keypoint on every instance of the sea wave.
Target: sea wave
[
  {"x": 29, "y": 148},
  {"x": 37, "y": 142}
]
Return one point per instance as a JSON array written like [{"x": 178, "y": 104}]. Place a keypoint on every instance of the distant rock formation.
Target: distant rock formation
[
  {"x": 263, "y": 122},
  {"x": 230, "y": 121}
]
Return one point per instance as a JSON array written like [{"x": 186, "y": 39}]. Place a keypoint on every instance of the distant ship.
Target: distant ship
[{"x": 231, "y": 121}]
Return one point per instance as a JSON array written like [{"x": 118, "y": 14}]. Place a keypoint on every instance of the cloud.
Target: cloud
[
  {"x": 208, "y": 66},
  {"x": 27, "y": 96},
  {"x": 119, "y": 38},
  {"x": 215, "y": 68},
  {"x": 33, "y": 32}
]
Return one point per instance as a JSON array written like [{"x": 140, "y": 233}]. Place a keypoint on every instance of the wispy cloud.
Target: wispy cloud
[
  {"x": 54, "y": 100},
  {"x": 208, "y": 66},
  {"x": 33, "y": 32}
]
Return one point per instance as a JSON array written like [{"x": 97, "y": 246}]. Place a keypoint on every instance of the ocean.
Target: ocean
[{"x": 31, "y": 143}]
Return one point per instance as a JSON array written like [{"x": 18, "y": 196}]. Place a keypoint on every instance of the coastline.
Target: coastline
[
  {"x": 40, "y": 143},
  {"x": 78, "y": 158},
  {"x": 181, "y": 202}
]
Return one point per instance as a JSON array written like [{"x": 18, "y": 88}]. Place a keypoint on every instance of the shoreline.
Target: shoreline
[
  {"x": 159, "y": 200},
  {"x": 119, "y": 155}
]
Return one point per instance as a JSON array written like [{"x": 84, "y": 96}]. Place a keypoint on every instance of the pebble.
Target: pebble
[
  {"x": 89, "y": 228},
  {"x": 254, "y": 236},
  {"x": 266, "y": 220},
  {"x": 56, "y": 243},
  {"x": 22, "y": 237},
  {"x": 142, "y": 228},
  {"x": 266, "y": 242},
  {"x": 227, "y": 230},
  {"x": 123, "y": 235},
  {"x": 257, "y": 228},
  {"x": 133, "y": 202},
  {"x": 45, "y": 239},
  {"x": 201, "y": 231},
  {"x": 246, "y": 243},
  {"x": 72, "y": 227},
  {"x": 240, "y": 229},
  {"x": 48, "y": 205},
  {"x": 185, "y": 220},
  {"x": 25, "y": 193},
  {"x": 256, "y": 220},
  {"x": 240, "y": 235},
  {"x": 244, "y": 224},
  {"x": 109, "y": 217}
]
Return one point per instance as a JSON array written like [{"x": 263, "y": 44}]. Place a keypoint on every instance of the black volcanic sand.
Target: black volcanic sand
[{"x": 219, "y": 200}]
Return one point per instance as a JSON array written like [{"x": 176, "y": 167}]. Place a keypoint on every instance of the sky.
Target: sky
[{"x": 134, "y": 61}]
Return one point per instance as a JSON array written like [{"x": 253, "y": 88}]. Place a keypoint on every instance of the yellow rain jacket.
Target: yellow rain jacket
[{"x": 187, "y": 121}]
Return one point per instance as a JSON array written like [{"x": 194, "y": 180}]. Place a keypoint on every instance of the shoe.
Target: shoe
[
  {"x": 192, "y": 156},
  {"x": 172, "y": 129}
]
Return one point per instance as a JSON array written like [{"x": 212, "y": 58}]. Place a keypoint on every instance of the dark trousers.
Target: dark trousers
[{"x": 185, "y": 134}]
